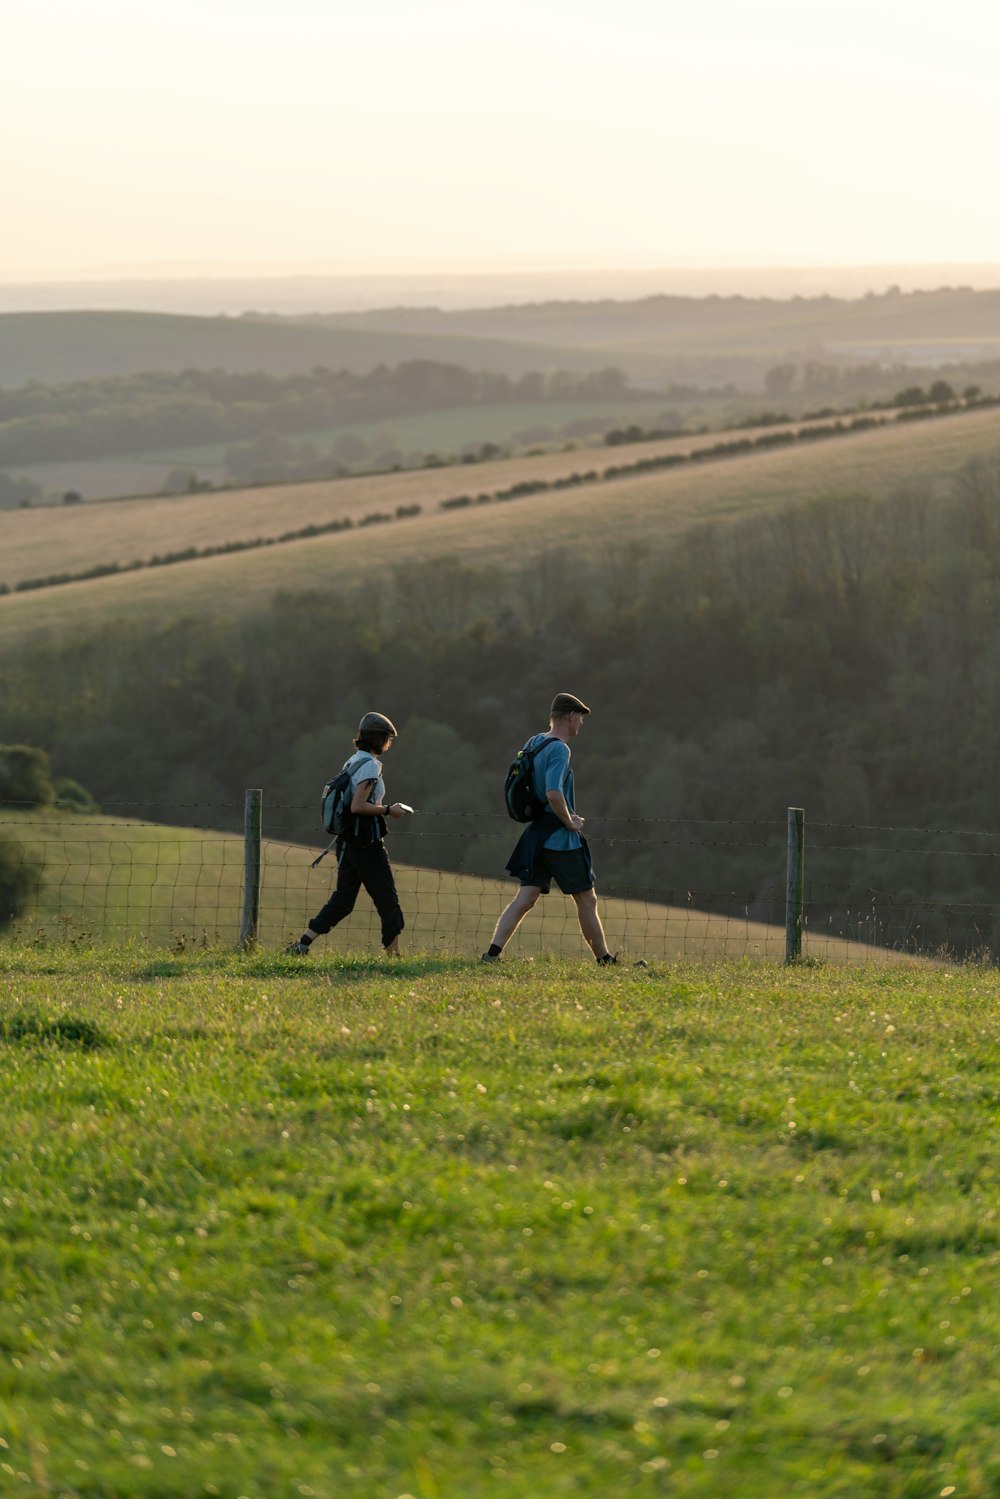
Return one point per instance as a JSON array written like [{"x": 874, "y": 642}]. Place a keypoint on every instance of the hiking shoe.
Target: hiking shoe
[
  {"x": 296, "y": 950},
  {"x": 490, "y": 957}
]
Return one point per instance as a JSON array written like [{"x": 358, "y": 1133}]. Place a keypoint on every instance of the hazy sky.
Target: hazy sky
[{"x": 440, "y": 133}]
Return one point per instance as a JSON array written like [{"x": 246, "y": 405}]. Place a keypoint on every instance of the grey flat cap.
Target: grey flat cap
[{"x": 377, "y": 723}]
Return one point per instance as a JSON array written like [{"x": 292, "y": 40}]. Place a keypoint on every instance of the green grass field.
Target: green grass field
[
  {"x": 420, "y": 1229},
  {"x": 646, "y": 509}
]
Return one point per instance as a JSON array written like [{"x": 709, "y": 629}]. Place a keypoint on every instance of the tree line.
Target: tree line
[
  {"x": 834, "y": 656},
  {"x": 132, "y": 413}
]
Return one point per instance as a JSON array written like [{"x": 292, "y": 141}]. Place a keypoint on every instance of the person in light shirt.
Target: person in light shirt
[{"x": 361, "y": 856}]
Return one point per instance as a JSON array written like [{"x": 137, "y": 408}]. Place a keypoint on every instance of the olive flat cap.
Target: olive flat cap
[
  {"x": 377, "y": 723},
  {"x": 565, "y": 702}
]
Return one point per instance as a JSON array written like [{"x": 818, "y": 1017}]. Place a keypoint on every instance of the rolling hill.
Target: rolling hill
[
  {"x": 757, "y": 326},
  {"x": 709, "y": 339},
  {"x": 53, "y": 347},
  {"x": 645, "y": 509}
]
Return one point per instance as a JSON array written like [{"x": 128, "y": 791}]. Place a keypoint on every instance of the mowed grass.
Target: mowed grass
[
  {"x": 119, "y": 879},
  {"x": 423, "y": 1229},
  {"x": 647, "y": 509},
  {"x": 53, "y": 538}
]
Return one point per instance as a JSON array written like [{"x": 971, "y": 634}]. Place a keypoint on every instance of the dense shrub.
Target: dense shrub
[
  {"x": 20, "y": 878},
  {"x": 24, "y": 776}
]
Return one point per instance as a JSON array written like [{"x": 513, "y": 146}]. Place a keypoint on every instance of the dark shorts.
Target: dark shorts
[{"x": 570, "y": 868}]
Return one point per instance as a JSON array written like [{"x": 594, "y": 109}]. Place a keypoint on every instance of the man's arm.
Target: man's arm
[{"x": 571, "y": 820}]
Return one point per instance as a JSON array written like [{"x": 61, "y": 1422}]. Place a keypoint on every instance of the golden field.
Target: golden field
[{"x": 646, "y": 509}]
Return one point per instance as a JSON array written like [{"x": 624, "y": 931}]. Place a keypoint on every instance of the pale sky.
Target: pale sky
[{"x": 309, "y": 134}]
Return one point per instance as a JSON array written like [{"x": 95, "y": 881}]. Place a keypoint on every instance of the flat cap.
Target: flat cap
[
  {"x": 377, "y": 723},
  {"x": 565, "y": 702}
]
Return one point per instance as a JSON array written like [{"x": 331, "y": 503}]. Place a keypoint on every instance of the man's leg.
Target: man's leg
[
  {"x": 512, "y": 916},
  {"x": 590, "y": 922}
]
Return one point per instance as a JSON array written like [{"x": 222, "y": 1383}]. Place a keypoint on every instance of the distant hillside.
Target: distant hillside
[
  {"x": 895, "y": 317},
  {"x": 726, "y": 338},
  {"x": 61, "y": 346},
  {"x": 710, "y": 340},
  {"x": 590, "y": 521}
]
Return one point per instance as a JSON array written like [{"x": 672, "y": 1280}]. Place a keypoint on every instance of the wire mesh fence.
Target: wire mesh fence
[{"x": 120, "y": 878}]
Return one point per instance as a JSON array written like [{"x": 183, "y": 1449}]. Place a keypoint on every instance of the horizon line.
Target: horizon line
[{"x": 369, "y": 269}]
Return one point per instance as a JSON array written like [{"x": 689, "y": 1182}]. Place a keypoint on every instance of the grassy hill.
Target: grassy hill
[
  {"x": 701, "y": 326},
  {"x": 709, "y": 339},
  {"x": 63, "y": 346},
  {"x": 647, "y": 510},
  {"x": 420, "y": 1229},
  {"x": 44, "y": 539}
]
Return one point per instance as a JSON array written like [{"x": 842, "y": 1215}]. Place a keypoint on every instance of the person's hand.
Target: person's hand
[{"x": 577, "y": 822}]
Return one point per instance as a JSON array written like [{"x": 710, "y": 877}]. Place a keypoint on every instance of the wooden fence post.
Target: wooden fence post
[
  {"x": 252, "y": 804},
  {"x": 795, "y": 883}
]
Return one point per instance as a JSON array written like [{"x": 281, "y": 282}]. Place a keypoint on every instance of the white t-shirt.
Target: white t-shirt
[{"x": 364, "y": 767}]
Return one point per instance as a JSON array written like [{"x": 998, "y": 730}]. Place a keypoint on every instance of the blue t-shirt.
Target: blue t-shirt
[{"x": 552, "y": 772}]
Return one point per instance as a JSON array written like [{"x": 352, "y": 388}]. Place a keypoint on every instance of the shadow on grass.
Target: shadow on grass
[{"x": 66, "y": 1031}]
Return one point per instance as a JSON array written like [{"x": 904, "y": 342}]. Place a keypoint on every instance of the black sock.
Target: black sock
[
  {"x": 493, "y": 951},
  {"x": 609, "y": 957},
  {"x": 306, "y": 940}
]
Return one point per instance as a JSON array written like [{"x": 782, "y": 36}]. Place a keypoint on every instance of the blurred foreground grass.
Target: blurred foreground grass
[{"x": 342, "y": 1227}]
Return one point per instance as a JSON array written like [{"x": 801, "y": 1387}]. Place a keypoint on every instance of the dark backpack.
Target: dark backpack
[
  {"x": 335, "y": 807},
  {"x": 519, "y": 788},
  {"x": 335, "y": 804}
]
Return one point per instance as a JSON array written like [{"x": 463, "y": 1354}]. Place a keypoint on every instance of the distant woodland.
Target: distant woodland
[
  {"x": 113, "y": 403},
  {"x": 133, "y": 413},
  {"x": 262, "y": 418},
  {"x": 837, "y": 656}
]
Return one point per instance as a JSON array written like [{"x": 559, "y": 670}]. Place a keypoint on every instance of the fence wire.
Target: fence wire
[{"x": 117, "y": 879}]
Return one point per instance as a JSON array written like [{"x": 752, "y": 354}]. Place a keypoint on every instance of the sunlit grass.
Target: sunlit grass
[
  {"x": 422, "y": 1228},
  {"x": 590, "y": 521},
  {"x": 116, "y": 878}
]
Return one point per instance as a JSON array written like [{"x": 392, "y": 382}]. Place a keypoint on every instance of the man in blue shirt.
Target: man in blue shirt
[{"x": 553, "y": 847}]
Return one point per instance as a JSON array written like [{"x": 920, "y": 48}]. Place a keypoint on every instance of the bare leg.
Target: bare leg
[
  {"x": 392, "y": 950},
  {"x": 512, "y": 916},
  {"x": 590, "y": 922}
]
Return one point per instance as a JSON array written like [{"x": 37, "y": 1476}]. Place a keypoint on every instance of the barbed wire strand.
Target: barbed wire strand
[
  {"x": 185, "y": 887},
  {"x": 231, "y": 811}
]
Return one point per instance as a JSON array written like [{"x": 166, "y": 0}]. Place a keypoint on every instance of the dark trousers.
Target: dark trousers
[{"x": 367, "y": 865}]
